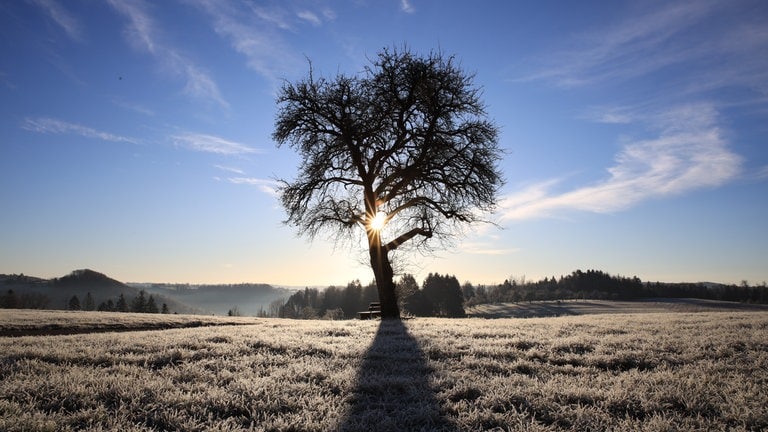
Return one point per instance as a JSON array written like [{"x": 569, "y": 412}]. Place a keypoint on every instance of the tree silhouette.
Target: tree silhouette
[
  {"x": 444, "y": 292},
  {"x": 10, "y": 300},
  {"x": 122, "y": 304},
  {"x": 74, "y": 303},
  {"x": 403, "y": 151},
  {"x": 139, "y": 303},
  {"x": 89, "y": 304},
  {"x": 151, "y": 306}
]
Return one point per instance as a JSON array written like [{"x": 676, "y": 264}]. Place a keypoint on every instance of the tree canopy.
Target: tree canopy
[{"x": 404, "y": 151}]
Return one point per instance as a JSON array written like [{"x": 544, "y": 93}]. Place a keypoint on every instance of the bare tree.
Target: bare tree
[{"x": 403, "y": 150}]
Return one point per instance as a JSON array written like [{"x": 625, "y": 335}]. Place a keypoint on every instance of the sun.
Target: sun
[{"x": 378, "y": 221}]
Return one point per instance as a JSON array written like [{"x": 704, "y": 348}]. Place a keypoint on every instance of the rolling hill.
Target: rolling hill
[{"x": 56, "y": 293}]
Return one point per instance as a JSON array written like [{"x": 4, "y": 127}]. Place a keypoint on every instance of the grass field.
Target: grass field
[
  {"x": 625, "y": 372},
  {"x": 15, "y": 322},
  {"x": 591, "y": 307}
]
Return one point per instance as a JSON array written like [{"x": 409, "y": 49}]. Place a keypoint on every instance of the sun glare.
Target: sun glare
[{"x": 378, "y": 221}]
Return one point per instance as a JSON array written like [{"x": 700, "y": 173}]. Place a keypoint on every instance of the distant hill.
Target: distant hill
[
  {"x": 55, "y": 293},
  {"x": 249, "y": 298},
  {"x": 181, "y": 298},
  {"x": 87, "y": 278}
]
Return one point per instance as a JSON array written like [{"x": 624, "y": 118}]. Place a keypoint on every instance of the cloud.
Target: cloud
[
  {"x": 407, "y": 7},
  {"x": 133, "y": 107},
  {"x": 692, "y": 47},
  {"x": 310, "y": 17},
  {"x": 62, "y": 17},
  {"x": 142, "y": 34},
  {"x": 211, "y": 144},
  {"x": 689, "y": 153},
  {"x": 608, "y": 115},
  {"x": 636, "y": 46},
  {"x": 59, "y": 127},
  {"x": 265, "y": 185},
  {"x": 252, "y": 31},
  {"x": 761, "y": 173},
  {"x": 230, "y": 169}
]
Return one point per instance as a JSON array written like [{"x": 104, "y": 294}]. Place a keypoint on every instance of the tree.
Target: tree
[
  {"x": 352, "y": 298},
  {"x": 139, "y": 303},
  {"x": 402, "y": 152},
  {"x": 10, "y": 300},
  {"x": 89, "y": 304},
  {"x": 122, "y": 304},
  {"x": 444, "y": 292},
  {"x": 108, "y": 306},
  {"x": 74, "y": 303},
  {"x": 151, "y": 306},
  {"x": 407, "y": 293}
]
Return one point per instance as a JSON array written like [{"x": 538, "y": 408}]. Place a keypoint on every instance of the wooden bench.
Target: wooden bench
[{"x": 374, "y": 310}]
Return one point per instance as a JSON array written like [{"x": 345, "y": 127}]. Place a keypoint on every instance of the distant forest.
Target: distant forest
[
  {"x": 442, "y": 295},
  {"x": 598, "y": 285},
  {"x": 141, "y": 303},
  {"x": 438, "y": 295}
]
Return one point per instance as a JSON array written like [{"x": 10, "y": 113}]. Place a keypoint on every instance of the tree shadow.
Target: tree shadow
[{"x": 393, "y": 392}]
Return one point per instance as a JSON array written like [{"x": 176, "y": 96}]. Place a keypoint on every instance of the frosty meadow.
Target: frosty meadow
[{"x": 625, "y": 372}]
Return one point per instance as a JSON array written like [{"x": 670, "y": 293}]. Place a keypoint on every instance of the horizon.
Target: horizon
[
  {"x": 136, "y": 137},
  {"x": 372, "y": 281}
]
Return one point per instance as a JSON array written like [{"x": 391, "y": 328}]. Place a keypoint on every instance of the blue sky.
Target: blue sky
[{"x": 135, "y": 136}]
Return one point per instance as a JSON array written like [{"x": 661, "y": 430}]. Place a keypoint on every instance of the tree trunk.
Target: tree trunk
[{"x": 382, "y": 270}]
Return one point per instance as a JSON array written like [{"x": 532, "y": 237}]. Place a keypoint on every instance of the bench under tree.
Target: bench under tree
[{"x": 374, "y": 310}]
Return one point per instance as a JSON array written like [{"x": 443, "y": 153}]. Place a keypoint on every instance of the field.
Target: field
[
  {"x": 590, "y": 307},
  {"x": 624, "y": 372},
  {"x": 15, "y": 322}
]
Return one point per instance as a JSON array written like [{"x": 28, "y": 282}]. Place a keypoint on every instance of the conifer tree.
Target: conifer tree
[{"x": 74, "y": 303}]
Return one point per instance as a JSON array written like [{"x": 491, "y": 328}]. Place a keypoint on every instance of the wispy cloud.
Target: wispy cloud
[
  {"x": 133, "y": 107},
  {"x": 317, "y": 18},
  {"x": 706, "y": 45},
  {"x": 253, "y": 31},
  {"x": 211, "y": 144},
  {"x": 265, "y": 185},
  {"x": 406, "y": 6},
  {"x": 310, "y": 17},
  {"x": 59, "y": 127},
  {"x": 646, "y": 42},
  {"x": 6, "y": 82},
  {"x": 689, "y": 153},
  {"x": 230, "y": 169},
  {"x": 142, "y": 34},
  {"x": 609, "y": 115},
  {"x": 62, "y": 17},
  {"x": 761, "y": 173}
]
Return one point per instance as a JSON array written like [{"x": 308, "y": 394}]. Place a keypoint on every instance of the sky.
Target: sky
[{"x": 135, "y": 136}]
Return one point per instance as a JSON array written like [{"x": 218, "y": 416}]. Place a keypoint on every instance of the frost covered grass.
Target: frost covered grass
[
  {"x": 590, "y": 307},
  {"x": 21, "y": 322},
  {"x": 651, "y": 372}
]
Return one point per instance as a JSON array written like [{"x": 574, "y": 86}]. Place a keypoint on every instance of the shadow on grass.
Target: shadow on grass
[{"x": 393, "y": 392}]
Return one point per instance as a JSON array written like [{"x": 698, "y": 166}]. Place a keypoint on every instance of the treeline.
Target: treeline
[
  {"x": 438, "y": 296},
  {"x": 141, "y": 303},
  {"x": 598, "y": 285},
  {"x": 34, "y": 300},
  {"x": 443, "y": 296}
]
